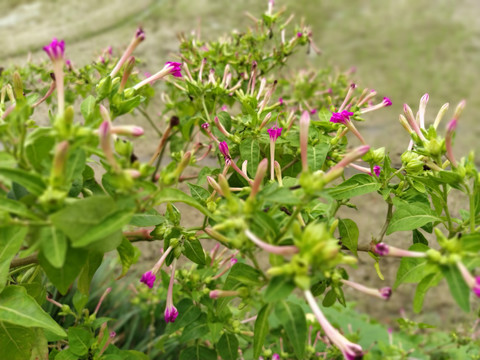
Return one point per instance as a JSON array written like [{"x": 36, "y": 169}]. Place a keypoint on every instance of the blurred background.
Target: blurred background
[{"x": 401, "y": 48}]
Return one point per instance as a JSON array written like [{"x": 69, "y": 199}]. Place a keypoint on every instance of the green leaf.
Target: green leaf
[
  {"x": 17, "y": 208},
  {"x": 198, "y": 192},
  {"x": 330, "y": 298},
  {"x": 62, "y": 278},
  {"x": 427, "y": 282},
  {"x": 278, "y": 289},
  {"x": 77, "y": 218},
  {"x": 149, "y": 218},
  {"x": 349, "y": 234},
  {"x": 54, "y": 245},
  {"x": 250, "y": 150},
  {"x": 359, "y": 184},
  {"x": 31, "y": 182},
  {"x": 281, "y": 195},
  {"x": 75, "y": 165},
  {"x": 458, "y": 288},
  {"x": 227, "y": 347},
  {"x": 88, "y": 109},
  {"x": 19, "y": 308},
  {"x": 418, "y": 238},
  {"x": 175, "y": 195},
  {"x": 79, "y": 341},
  {"x": 471, "y": 242},
  {"x": 188, "y": 312},
  {"x": 94, "y": 260},
  {"x": 260, "y": 330},
  {"x": 111, "y": 224},
  {"x": 412, "y": 270},
  {"x": 410, "y": 216},
  {"x": 38, "y": 148},
  {"x": 194, "y": 251},
  {"x": 195, "y": 330},
  {"x": 21, "y": 343},
  {"x": 11, "y": 239},
  {"x": 244, "y": 274},
  {"x": 198, "y": 353},
  {"x": 128, "y": 254},
  {"x": 292, "y": 318},
  {"x": 316, "y": 156},
  {"x": 66, "y": 355}
]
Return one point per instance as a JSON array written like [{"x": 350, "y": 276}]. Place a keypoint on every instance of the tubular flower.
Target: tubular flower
[
  {"x": 452, "y": 125},
  {"x": 170, "y": 68},
  {"x": 377, "y": 170},
  {"x": 350, "y": 351},
  {"x": 171, "y": 311},
  {"x": 383, "y": 293},
  {"x": 136, "y": 40},
  {"x": 350, "y": 157},
  {"x": 215, "y": 294},
  {"x": 223, "y": 147},
  {"x": 383, "y": 249},
  {"x": 206, "y": 127},
  {"x": 304, "y": 126},
  {"x": 149, "y": 277},
  {"x": 274, "y": 249},
  {"x": 472, "y": 282},
  {"x": 55, "y": 50},
  {"x": 274, "y": 133},
  {"x": 343, "y": 117},
  {"x": 385, "y": 102}
]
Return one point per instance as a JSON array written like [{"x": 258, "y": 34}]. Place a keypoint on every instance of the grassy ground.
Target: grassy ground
[{"x": 401, "y": 48}]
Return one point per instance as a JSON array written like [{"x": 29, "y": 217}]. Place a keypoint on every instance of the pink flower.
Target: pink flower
[
  {"x": 224, "y": 149},
  {"x": 280, "y": 100},
  {"x": 274, "y": 133},
  {"x": 175, "y": 68},
  {"x": 275, "y": 357},
  {"x": 377, "y": 170},
  {"x": 385, "y": 292},
  {"x": 171, "y": 311},
  {"x": 299, "y": 34},
  {"x": 205, "y": 126},
  {"x": 55, "y": 50},
  {"x": 341, "y": 117},
  {"x": 148, "y": 279},
  {"x": 313, "y": 111},
  {"x": 383, "y": 249},
  {"x": 387, "y": 101}
]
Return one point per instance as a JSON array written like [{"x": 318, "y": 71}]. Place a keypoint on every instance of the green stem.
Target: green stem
[
  {"x": 205, "y": 109},
  {"x": 149, "y": 119},
  {"x": 447, "y": 211},
  {"x": 387, "y": 221},
  {"x": 471, "y": 196}
]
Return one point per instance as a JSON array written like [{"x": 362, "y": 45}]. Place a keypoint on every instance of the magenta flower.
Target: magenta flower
[
  {"x": 377, "y": 170},
  {"x": 341, "y": 117},
  {"x": 280, "y": 100},
  {"x": 148, "y": 279},
  {"x": 55, "y": 50},
  {"x": 171, "y": 311},
  {"x": 472, "y": 282},
  {"x": 299, "y": 34},
  {"x": 224, "y": 108},
  {"x": 224, "y": 149},
  {"x": 205, "y": 126},
  {"x": 275, "y": 132},
  {"x": 385, "y": 292},
  {"x": 313, "y": 111},
  {"x": 275, "y": 357},
  {"x": 383, "y": 249},
  {"x": 387, "y": 101},
  {"x": 175, "y": 68}
]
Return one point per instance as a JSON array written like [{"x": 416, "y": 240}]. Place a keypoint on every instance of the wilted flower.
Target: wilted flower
[
  {"x": 377, "y": 170},
  {"x": 55, "y": 50},
  {"x": 148, "y": 279}
]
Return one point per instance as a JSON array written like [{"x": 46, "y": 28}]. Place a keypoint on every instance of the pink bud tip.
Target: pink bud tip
[
  {"x": 233, "y": 261},
  {"x": 214, "y": 294},
  {"x": 224, "y": 149},
  {"x": 386, "y": 292},
  {"x": 452, "y": 125},
  {"x": 387, "y": 101},
  {"x": 377, "y": 170},
  {"x": 275, "y": 357},
  {"x": 140, "y": 34},
  {"x": 148, "y": 279},
  {"x": 280, "y": 100},
  {"x": 224, "y": 108},
  {"x": 171, "y": 314},
  {"x": 55, "y": 50},
  {"x": 476, "y": 288},
  {"x": 205, "y": 126},
  {"x": 113, "y": 334},
  {"x": 299, "y": 34},
  {"x": 313, "y": 111},
  {"x": 381, "y": 249}
]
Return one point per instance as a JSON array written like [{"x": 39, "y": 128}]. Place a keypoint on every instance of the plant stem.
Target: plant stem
[
  {"x": 149, "y": 119},
  {"x": 447, "y": 211},
  {"x": 387, "y": 221},
  {"x": 32, "y": 259}
]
